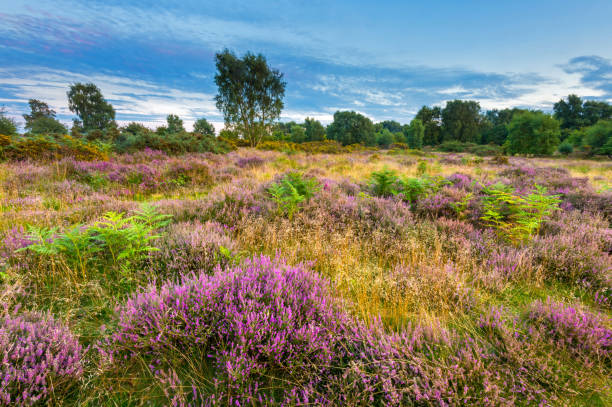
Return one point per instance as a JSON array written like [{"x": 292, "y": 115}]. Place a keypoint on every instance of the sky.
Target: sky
[{"x": 384, "y": 59}]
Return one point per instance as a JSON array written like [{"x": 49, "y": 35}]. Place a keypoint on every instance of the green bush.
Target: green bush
[
  {"x": 292, "y": 190},
  {"x": 46, "y": 147},
  {"x": 171, "y": 143},
  {"x": 566, "y": 148},
  {"x": 516, "y": 218},
  {"x": 115, "y": 241}
]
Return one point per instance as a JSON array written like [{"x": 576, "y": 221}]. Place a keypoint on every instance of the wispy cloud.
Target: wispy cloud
[
  {"x": 152, "y": 58},
  {"x": 595, "y": 72}
]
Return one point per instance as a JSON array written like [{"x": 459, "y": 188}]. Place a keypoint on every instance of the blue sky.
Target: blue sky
[{"x": 385, "y": 59}]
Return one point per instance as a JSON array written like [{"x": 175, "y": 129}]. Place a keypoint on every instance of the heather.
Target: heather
[
  {"x": 340, "y": 277},
  {"x": 41, "y": 360}
]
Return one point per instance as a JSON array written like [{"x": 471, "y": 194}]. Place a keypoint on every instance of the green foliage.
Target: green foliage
[
  {"x": 496, "y": 135},
  {"x": 385, "y": 183},
  {"x": 515, "y": 217},
  {"x": 532, "y": 133},
  {"x": 569, "y": 113},
  {"x": 250, "y": 94},
  {"x": 171, "y": 143},
  {"x": 384, "y": 138},
  {"x": 47, "y": 125},
  {"x": 292, "y": 190},
  {"x": 42, "y": 119},
  {"x": 202, "y": 126},
  {"x": 175, "y": 124},
  {"x": 298, "y": 134},
  {"x": 566, "y": 148},
  {"x": 314, "y": 130},
  {"x": 430, "y": 117},
  {"x": 599, "y": 137},
  {"x": 8, "y": 126},
  {"x": 93, "y": 110},
  {"x": 351, "y": 127},
  {"x": 414, "y": 134},
  {"x": 116, "y": 241},
  {"x": 461, "y": 120},
  {"x": 45, "y": 147},
  {"x": 421, "y": 168}
]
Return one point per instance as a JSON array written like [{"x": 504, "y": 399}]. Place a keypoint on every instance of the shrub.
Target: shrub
[
  {"x": 41, "y": 360},
  {"x": 580, "y": 332},
  {"x": 517, "y": 217},
  {"x": 566, "y": 148},
  {"x": 115, "y": 240},
  {"x": 171, "y": 143},
  {"x": 192, "y": 247},
  {"x": 290, "y": 191},
  {"x": 261, "y": 331},
  {"x": 385, "y": 183},
  {"x": 44, "y": 147}
]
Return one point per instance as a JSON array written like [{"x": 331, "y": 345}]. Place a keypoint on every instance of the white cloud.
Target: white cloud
[{"x": 129, "y": 97}]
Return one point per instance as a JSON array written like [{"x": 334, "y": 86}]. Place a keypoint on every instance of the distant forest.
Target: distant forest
[{"x": 251, "y": 99}]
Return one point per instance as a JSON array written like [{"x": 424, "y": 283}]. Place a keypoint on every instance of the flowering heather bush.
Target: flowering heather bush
[
  {"x": 250, "y": 161},
  {"x": 268, "y": 333},
  {"x": 461, "y": 181},
  {"x": 256, "y": 325},
  {"x": 41, "y": 360},
  {"x": 582, "y": 333},
  {"x": 576, "y": 249},
  {"x": 192, "y": 247}
]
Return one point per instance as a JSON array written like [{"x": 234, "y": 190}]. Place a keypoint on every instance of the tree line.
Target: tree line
[{"x": 250, "y": 97}]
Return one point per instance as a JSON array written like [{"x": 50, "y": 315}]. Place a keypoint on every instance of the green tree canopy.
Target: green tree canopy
[
  {"x": 415, "y": 133},
  {"x": 38, "y": 110},
  {"x": 8, "y": 126},
  {"x": 384, "y": 138},
  {"x": 350, "y": 127},
  {"x": 47, "y": 125},
  {"x": 250, "y": 94},
  {"x": 314, "y": 130},
  {"x": 175, "y": 124},
  {"x": 461, "y": 120},
  {"x": 594, "y": 111},
  {"x": 532, "y": 133},
  {"x": 599, "y": 137},
  {"x": 392, "y": 126},
  {"x": 135, "y": 128},
  {"x": 204, "y": 127},
  {"x": 569, "y": 112},
  {"x": 431, "y": 117},
  {"x": 298, "y": 134},
  {"x": 87, "y": 102}
]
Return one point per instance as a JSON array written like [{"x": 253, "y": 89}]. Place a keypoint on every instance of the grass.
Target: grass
[{"x": 383, "y": 258}]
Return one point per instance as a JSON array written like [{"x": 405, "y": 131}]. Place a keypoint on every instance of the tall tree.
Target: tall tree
[
  {"x": 204, "y": 127},
  {"x": 461, "y": 120},
  {"x": 298, "y": 134},
  {"x": 94, "y": 112},
  {"x": 532, "y": 133},
  {"x": 7, "y": 125},
  {"x": 38, "y": 109},
  {"x": 250, "y": 94},
  {"x": 594, "y": 111},
  {"x": 430, "y": 117},
  {"x": 175, "y": 124},
  {"x": 392, "y": 126},
  {"x": 599, "y": 137},
  {"x": 41, "y": 119},
  {"x": 314, "y": 130},
  {"x": 415, "y": 133},
  {"x": 569, "y": 113},
  {"x": 351, "y": 128}
]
